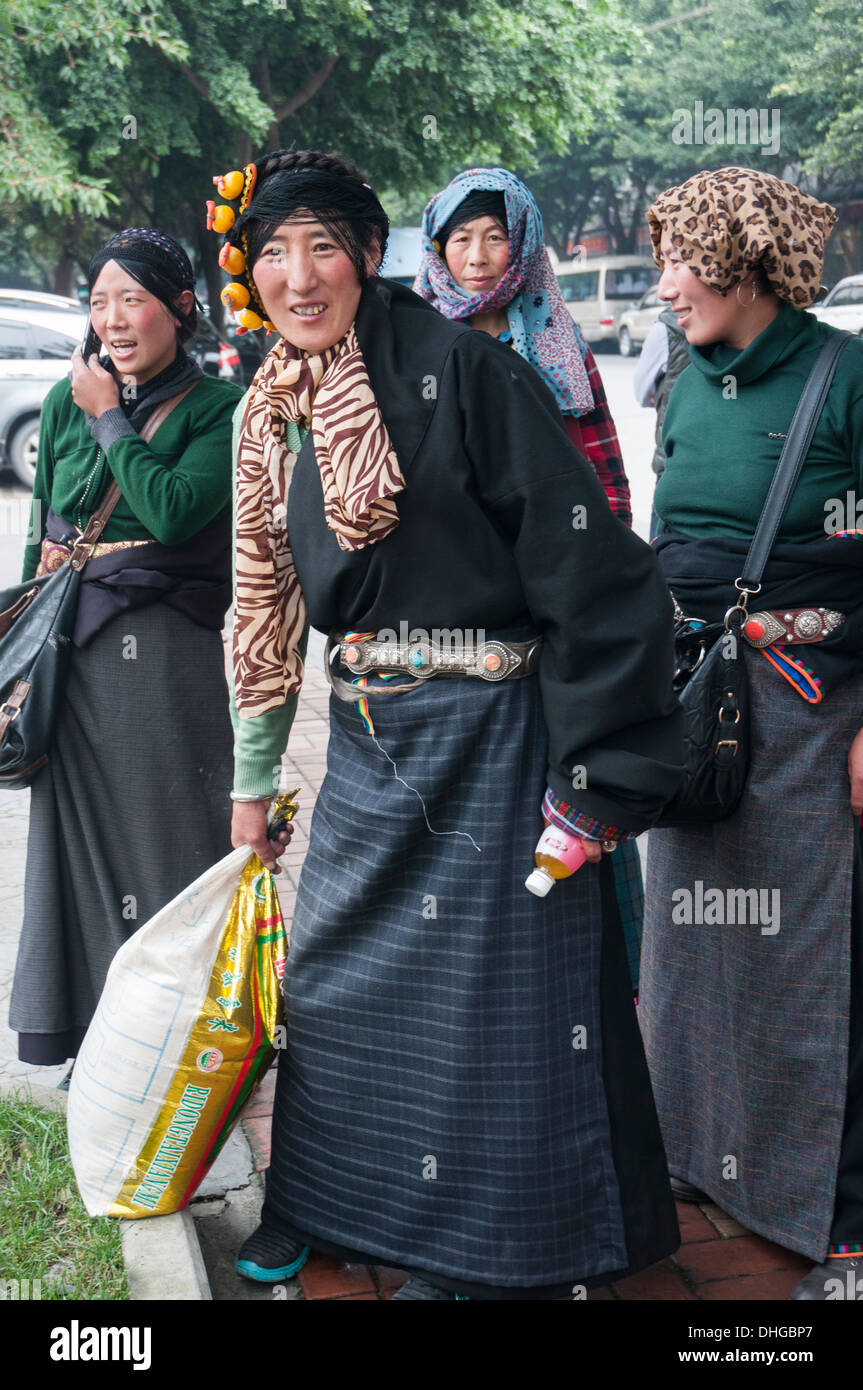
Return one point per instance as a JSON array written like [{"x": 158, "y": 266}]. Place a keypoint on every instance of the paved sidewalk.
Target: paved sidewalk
[{"x": 718, "y": 1261}]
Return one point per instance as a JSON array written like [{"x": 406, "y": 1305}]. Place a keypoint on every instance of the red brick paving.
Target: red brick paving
[
  {"x": 739, "y": 1255},
  {"x": 323, "y": 1277},
  {"x": 709, "y": 1266}
]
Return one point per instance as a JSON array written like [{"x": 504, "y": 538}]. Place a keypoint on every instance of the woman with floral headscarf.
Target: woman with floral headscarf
[
  {"x": 142, "y": 744},
  {"x": 485, "y": 264},
  {"x": 754, "y": 1028},
  {"x": 462, "y": 1093}
]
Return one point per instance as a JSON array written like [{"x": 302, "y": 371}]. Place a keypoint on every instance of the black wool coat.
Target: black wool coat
[{"x": 504, "y": 527}]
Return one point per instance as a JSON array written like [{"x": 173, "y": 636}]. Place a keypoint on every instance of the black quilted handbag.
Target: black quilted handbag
[
  {"x": 36, "y": 624},
  {"x": 710, "y": 679},
  {"x": 712, "y": 687}
]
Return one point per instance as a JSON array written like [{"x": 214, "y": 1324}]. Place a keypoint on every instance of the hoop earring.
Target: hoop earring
[{"x": 754, "y": 295}]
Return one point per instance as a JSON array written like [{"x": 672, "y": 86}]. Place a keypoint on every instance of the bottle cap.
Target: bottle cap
[{"x": 539, "y": 882}]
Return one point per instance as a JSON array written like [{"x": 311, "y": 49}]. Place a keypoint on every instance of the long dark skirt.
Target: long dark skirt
[
  {"x": 464, "y": 1090},
  {"x": 746, "y": 1027},
  {"x": 132, "y": 806}
]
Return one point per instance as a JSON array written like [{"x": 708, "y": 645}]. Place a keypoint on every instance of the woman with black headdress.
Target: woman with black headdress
[
  {"x": 142, "y": 745},
  {"x": 463, "y": 1091}
]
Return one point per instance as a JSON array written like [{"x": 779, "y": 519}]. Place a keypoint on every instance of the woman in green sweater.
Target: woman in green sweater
[
  {"x": 752, "y": 998},
  {"x": 133, "y": 803}
]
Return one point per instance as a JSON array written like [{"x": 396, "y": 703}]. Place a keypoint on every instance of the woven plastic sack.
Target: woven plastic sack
[{"x": 185, "y": 1030}]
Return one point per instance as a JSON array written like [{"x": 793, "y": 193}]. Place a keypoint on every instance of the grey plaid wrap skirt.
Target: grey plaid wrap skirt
[
  {"x": 746, "y": 1026},
  {"x": 464, "y": 1090}
]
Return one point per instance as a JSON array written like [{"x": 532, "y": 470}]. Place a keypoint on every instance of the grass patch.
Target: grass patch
[{"x": 46, "y": 1236}]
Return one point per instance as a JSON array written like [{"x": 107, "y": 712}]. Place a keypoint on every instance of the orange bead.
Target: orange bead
[
  {"x": 270, "y": 327},
  {"x": 229, "y": 185},
  {"x": 232, "y": 259},
  {"x": 492, "y": 662},
  {"x": 249, "y": 319},
  {"x": 235, "y": 296},
  {"x": 223, "y": 218},
  {"x": 754, "y": 629}
]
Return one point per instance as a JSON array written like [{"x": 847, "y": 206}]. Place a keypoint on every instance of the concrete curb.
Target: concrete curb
[
  {"x": 163, "y": 1259},
  {"x": 22, "y": 1088},
  {"x": 161, "y": 1253}
]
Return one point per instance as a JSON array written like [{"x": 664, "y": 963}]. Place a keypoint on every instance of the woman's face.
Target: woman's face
[
  {"x": 704, "y": 314},
  {"x": 308, "y": 284},
  {"x": 138, "y": 332},
  {"x": 477, "y": 254}
]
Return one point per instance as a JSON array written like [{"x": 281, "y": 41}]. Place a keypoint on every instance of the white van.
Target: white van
[{"x": 595, "y": 291}]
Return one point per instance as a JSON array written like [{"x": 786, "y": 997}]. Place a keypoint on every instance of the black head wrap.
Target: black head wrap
[
  {"x": 482, "y": 202},
  {"x": 348, "y": 208},
  {"x": 156, "y": 262}
]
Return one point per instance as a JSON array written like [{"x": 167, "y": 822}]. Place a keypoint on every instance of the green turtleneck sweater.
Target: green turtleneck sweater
[{"x": 725, "y": 425}]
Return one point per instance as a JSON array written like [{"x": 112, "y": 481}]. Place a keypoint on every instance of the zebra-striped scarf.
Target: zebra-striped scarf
[{"x": 330, "y": 393}]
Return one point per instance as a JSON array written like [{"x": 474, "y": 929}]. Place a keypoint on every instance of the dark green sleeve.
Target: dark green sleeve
[
  {"x": 44, "y": 479},
  {"x": 174, "y": 498}
]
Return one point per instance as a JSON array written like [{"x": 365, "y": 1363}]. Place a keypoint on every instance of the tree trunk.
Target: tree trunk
[
  {"x": 265, "y": 87},
  {"x": 64, "y": 275},
  {"x": 64, "y": 270}
]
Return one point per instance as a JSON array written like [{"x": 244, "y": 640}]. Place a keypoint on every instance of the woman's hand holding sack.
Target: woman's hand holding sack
[{"x": 249, "y": 827}]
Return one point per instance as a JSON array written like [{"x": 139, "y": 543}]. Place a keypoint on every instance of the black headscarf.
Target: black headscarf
[
  {"x": 348, "y": 209},
  {"x": 158, "y": 263},
  {"x": 482, "y": 202}
]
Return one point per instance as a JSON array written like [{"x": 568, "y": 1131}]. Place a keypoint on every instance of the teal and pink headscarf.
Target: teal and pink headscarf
[{"x": 543, "y": 331}]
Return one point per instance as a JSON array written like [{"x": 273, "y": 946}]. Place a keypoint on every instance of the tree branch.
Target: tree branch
[
  {"x": 265, "y": 87},
  {"x": 195, "y": 81},
  {"x": 678, "y": 19},
  {"x": 314, "y": 84}
]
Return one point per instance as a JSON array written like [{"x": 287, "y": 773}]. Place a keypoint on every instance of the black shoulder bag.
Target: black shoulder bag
[
  {"x": 37, "y": 620},
  {"x": 710, "y": 679}
]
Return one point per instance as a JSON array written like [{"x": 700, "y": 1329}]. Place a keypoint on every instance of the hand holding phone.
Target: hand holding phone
[
  {"x": 93, "y": 389},
  {"x": 91, "y": 342}
]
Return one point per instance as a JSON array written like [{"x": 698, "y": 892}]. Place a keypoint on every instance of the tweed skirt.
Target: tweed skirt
[
  {"x": 131, "y": 807},
  {"x": 745, "y": 1003},
  {"x": 463, "y": 1090}
]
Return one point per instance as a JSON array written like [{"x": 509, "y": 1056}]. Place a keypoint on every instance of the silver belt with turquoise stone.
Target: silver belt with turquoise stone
[{"x": 492, "y": 660}]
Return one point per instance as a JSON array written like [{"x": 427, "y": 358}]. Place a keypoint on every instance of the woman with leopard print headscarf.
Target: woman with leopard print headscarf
[{"x": 754, "y": 1030}]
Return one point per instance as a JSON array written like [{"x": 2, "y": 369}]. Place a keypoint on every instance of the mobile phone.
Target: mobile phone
[{"x": 91, "y": 342}]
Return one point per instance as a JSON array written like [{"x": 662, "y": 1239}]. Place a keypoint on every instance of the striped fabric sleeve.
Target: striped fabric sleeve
[
  {"x": 595, "y": 436},
  {"x": 565, "y": 816}
]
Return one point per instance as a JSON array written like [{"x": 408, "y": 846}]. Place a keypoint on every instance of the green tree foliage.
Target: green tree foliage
[
  {"x": 730, "y": 55},
  {"x": 119, "y": 111},
  {"x": 827, "y": 77}
]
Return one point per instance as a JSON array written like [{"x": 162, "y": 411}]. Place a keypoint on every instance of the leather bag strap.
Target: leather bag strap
[
  {"x": 89, "y": 537},
  {"x": 794, "y": 451}
]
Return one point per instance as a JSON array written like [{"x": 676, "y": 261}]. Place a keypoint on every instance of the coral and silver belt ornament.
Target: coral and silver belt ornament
[{"x": 790, "y": 625}]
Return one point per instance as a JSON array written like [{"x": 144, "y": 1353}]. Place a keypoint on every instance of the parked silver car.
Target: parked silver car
[
  {"x": 633, "y": 324},
  {"x": 50, "y": 310},
  {"x": 843, "y": 306},
  {"x": 32, "y": 358},
  {"x": 594, "y": 291},
  {"x": 34, "y": 353}
]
